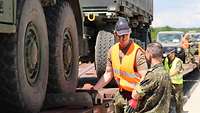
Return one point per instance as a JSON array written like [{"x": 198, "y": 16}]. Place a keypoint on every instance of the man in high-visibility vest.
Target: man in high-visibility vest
[
  {"x": 174, "y": 67},
  {"x": 126, "y": 63}
]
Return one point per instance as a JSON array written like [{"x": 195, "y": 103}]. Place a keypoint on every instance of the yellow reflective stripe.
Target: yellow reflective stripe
[
  {"x": 120, "y": 72},
  {"x": 127, "y": 76},
  {"x": 127, "y": 85}
]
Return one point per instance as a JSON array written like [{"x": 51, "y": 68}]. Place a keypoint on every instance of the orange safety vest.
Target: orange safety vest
[{"x": 124, "y": 73}]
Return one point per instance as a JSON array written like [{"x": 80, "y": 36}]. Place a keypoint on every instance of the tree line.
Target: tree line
[{"x": 155, "y": 30}]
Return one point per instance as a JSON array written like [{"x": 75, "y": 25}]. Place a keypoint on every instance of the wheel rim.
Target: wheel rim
[
  {"x": 32, "y": 54},
  {"x": 67, "y": 54}
]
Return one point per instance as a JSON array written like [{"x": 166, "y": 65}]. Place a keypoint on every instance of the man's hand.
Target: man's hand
[
  {"x": 133, "y": 103},
  {"x": 135, "y": 95},
  {"x": 88, "y": 86}
]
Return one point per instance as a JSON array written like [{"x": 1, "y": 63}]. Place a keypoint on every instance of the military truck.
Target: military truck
[
  {"x": 100, "y": 17},
  {"x": 42, "y": 41},
  {"x": 171, "y": 39},
  {"x": 39, "y": 51}
]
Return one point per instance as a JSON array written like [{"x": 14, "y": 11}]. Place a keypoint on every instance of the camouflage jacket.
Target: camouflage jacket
[{"x": 155, "y": 90}]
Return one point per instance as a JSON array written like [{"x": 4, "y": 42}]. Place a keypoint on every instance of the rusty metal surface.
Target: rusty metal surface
[
  {"x": 106, "y": 94},
  {"x": 106, "y": 107},
  {"x": 87, "y": 70},
  {"x": 67, "y": 110},
  {"x": 103, "y": 100}
]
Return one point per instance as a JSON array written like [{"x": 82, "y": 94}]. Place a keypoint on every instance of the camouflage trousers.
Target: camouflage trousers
[
  {"x": 121, "y": 102},
  {"x": 178, "y": 91}
]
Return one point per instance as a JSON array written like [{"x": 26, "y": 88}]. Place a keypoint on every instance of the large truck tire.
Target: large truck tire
[
  {"x": 103, "y": 43},
  {"x": 63, "y": 45},
  {"x": 24, "y": 61}
]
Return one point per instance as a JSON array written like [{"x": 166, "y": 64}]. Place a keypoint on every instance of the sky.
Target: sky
[{"x": 176, "y": 13}]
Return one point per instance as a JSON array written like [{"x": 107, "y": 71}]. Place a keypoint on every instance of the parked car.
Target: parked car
[{"x": 171, "y": 39}]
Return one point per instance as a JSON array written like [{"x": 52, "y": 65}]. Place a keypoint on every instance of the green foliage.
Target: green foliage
[{"x": 154, "y": 31}]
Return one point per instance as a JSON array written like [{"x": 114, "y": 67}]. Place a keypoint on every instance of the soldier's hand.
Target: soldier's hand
[
  {"x": 132, "y": 106},
  {"x": 129, "y": 109}
]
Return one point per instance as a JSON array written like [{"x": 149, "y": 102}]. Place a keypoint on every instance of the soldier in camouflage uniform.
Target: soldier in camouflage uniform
[{"x": 154, "y": 91}]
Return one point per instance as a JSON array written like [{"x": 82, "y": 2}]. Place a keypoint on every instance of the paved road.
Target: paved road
[
  {"x": 190, "y": 82},
  {"x": 192, "y": 91}
]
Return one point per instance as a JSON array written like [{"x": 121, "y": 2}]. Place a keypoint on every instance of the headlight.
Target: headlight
[
  {"x": 164, "y": 55},
  {"x": 178, "y": 49}
]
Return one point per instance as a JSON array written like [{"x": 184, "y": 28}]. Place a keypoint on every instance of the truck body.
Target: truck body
[
  {"x": 41, "y": 44},
  {"x": 115, "y": 8},
  {"x": 100, "y": 17}
]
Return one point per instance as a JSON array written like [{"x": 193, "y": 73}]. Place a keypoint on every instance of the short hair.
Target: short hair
[{"x": 155, "y": 49}]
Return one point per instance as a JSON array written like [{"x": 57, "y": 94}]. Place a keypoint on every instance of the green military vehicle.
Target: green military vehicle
[
  {"x": 42, "y": 41},
  {"x": 100, "y": 17},
  {"x": 39, "y": 51}
]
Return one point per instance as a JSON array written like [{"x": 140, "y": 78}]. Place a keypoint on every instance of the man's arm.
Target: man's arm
[
  {"x": 141, "y": 63},
  {"x": 142, "y": 70},
  {"x": 107, "y": 76}
]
